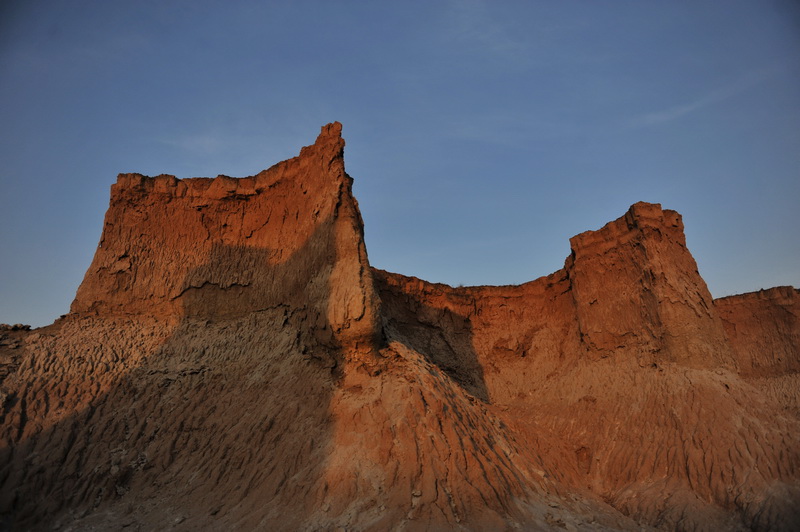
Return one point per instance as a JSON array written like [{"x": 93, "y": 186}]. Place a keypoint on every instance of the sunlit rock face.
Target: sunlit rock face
[
  {"x": 231, "y": 360},
  {"x": 289, "y": 236}
]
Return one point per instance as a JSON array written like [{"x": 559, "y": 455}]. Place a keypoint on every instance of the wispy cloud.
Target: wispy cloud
[
  {"x": 711, "y": 98},
  {"x": 531, "y": 34},
  {"x": 472, "y": 21},
  {"x": 506, "y": 128},
  {"x": 207, "y": 143},
  {"x": 232, "y": 151}
]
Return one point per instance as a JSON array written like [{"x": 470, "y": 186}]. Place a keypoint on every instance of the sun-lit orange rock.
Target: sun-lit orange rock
[{"x": 231, "y": 360}]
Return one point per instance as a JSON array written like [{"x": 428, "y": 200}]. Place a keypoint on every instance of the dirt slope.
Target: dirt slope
[{"x": 231, "y": 361}]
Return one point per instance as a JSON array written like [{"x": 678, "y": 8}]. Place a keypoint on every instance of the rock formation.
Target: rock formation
[
  {"x": 231, "y": 360},
  {"x": 290, "y": 236}
]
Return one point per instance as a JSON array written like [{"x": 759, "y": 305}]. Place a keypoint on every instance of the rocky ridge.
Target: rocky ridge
[{"x": 231, "y": 360}]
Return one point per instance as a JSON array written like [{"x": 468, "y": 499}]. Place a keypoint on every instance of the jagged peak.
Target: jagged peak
[
  {"x": 329, "y": 143},
  {"x": 328, "y": 132}
]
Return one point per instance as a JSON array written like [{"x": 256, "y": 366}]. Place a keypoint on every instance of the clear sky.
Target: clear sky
[{"x": 481, "y": 134}]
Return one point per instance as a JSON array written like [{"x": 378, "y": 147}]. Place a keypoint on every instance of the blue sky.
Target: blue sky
[{"x": 481, "y": 135}]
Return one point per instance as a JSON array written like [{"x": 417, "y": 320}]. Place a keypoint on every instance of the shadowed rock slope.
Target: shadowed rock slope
[{"x": 231, "y": 361}]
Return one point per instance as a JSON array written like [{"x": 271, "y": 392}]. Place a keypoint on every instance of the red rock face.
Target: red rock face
[
  {"x": 232, "y": 361},
  {"x": 636, "y": 289},
  {"x": 289, "y": 236},
  {"x": 764, "y": 330}
]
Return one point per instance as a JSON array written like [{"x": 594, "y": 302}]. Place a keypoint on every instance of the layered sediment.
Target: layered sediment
[{"x": 231, "y": 360}]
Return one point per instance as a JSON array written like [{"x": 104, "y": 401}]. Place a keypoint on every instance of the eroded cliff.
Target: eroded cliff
[
  {"x": 290, "y": 236},
  {"x": 232, "y": 361},
  {"x": 623, "y": 359}
]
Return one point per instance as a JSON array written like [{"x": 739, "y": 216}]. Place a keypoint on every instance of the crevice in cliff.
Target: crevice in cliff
[{"x": 210, "y": 284}]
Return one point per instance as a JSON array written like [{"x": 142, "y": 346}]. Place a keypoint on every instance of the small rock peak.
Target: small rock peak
[
  {"x": 329, "y": 143},
  {"x": 332, "y": 130}
]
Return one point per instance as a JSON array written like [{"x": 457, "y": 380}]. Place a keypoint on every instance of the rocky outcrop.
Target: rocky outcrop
[
  {"x": 231, "y": 360},
  {"x": 630, "y": 290},
  {"x": 637, "y": 290},
  {"x": 290, "y": 236},
  {"x": 623, "y": 359}
]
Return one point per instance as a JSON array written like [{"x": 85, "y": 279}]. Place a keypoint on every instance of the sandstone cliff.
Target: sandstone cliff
[
  {"x": 231, "y": 360},
  {"x": 290, "y": 236}
]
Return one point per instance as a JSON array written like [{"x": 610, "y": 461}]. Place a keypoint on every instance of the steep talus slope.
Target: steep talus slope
[
  {"x": 185, "y": 426},
  {"x": 231, "y": 361}
]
